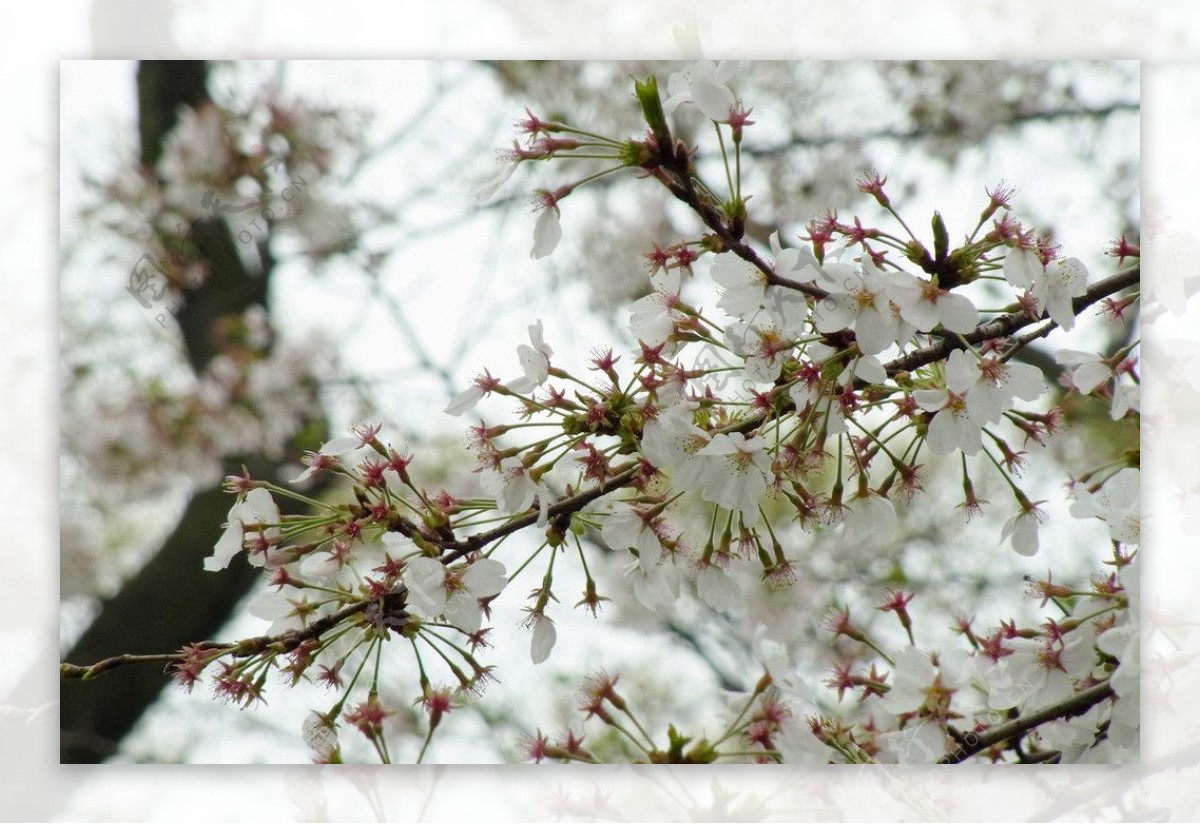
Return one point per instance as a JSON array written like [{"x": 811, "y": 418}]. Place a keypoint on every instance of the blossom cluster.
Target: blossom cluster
[{"x": 848, "y": 365}]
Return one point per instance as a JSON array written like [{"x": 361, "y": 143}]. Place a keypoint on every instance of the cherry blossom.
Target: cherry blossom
[
  {"x": 1055, "y": 288},
  {"x": 739, "y": 481},
  {"x": 535, "y": 361},
  {"x": 926, "y": 305},
  {"x": 509, "y": 160},
  {"x": 547, "y": 232},
  {"x": 512, "y": 486},
  {"x": 198, "y": 160},
  {"x": 767, "y": 339},
  {"x": 674, "y": 443},
  {"x": 464, "y": 401},
  {"x": 744, "y": 285},
  {"x": 682, "y": 459},
  {"x": 1022, "y": 529},
  {"x": 954, "y": 426},
  {"x": 918, "y": 685},
  {"x": 703, "y": 84},
  {"x": 544, "y": 637},
  {"x": 656, "y": 588},
  {"x": 1022, "y": 267},
  {"x": 867, "y": 515},
  {"x": 435, "y": 590},
  {"x": 1126, "y": 396},
  {"x": 857, "y": 300},
  {"x": 1091, "y": 370},
  {"x": 257, "y": 509},
  {"x": 716, "y": 588},
  {"x": 1041, "y": 671},
  {"x": 635, "y": 527},
  {"x": 998, "y": 384},
  {"x": 653, "y": 317},
  {"x": 1116, "y": 503}
]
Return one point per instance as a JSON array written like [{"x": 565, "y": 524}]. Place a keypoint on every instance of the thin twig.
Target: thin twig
[{"x": 285, "y": 642}]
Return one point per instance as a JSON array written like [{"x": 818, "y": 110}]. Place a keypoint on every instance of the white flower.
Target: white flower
[
  {"x": 793, "y": 264},
  {"x": 511, "y": 486},
  {"x": 917, "y": 684},
  {"x": 434, "y": 589},
  {"x": 464, "y": 401},
  {"x": 1116, "y": 503},
  {"x": 738, "y": 482},
  {"x": 716, "y": 588},
  {"x": 744, "y": 285},
  {"x": 198, "y": 160},
  {"x": 257, "y": 509},
  {"x": 867, "y": 515},
  {"x": 763, "y": 345},
  {"x": 1040, "y": 673},
  {"x": 320, "y": 736},
  {"x": 702, "y": 84},
  {"x": 1091, "y": 370},
  {"x": 322, "y": 565},
  {"x": 954, "y": 425},
  {"x": 925, "y": 305},
  {"x": 1123, "y": 642},
  {"x": 1022, "y": 528},
  {"x": 1022, "y": 267},
  {"x": 1053, "y": 290},
  {"x": 864, "y": 367},
  {"x": 1052, "y": 286},
  {"x": 658, "y": 587},
  {"x": 673, "y": 443},
  {"x": 547, "y": 232},
  {"x": 998, "y": 383},
  {"x": 334, "y": 448},
  {"x": 629, "y": 527},
  {"x": 858, "y": 301},
  {"x": 544, "y": 637},
  {"x": 654, "y": 316},
  {"x": 509, "y": 160},
  {"x": 775, "y": 659},
  {"x": 798, "y": 744},
  {"x": 535, "y": 361},
  {"x": 1126, "y": 396},
  {"x": 285, "y": 608}
]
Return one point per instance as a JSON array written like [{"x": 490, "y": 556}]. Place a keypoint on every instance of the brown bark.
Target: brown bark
[{"x": 172, "y": 601}]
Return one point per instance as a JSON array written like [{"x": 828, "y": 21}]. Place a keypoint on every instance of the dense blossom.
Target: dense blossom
[{"x": 710, "y": 469}]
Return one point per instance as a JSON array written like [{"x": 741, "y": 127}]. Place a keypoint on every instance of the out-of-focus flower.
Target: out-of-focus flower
[
  {"x": 702, "y": 84},
  {"x": 1116, "y": 503}
]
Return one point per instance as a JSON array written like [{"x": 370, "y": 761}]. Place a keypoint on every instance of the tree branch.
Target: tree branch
[
  {"x": 284, "y": 642},
  {"x": 1007, "y": 324},
  {"x": 1077, "y": 704}
]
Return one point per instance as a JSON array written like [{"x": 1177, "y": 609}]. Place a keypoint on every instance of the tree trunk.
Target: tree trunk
[{"x": 172, "y": 601}]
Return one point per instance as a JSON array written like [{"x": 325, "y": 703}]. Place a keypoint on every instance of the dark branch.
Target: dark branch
[
  {"x": 283, "y": 642},
  {"x": 1077, "y": 704}
]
